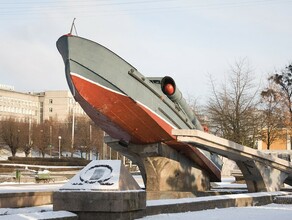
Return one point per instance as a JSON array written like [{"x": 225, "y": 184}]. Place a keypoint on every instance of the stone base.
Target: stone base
[
  {"x": 109, "y": 205},
  {"x": 156, "y": 195},
  {"x": 104, "y": 189},
  {"x": 164, "y": 174},
  {"x": 283, "y": 199},
  {"x": 111, "y": 215},
  {"x": 155, "y": 207},
  {"x": 25, "y": 199}
]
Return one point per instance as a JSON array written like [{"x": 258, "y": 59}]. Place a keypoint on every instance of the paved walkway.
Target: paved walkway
[{"x": 15, "y": 188}]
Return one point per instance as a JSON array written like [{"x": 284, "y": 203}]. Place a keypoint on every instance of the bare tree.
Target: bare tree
[
  {"x": 82, "y": 134},
  {"x": 63, "y": 130},
  {"x": 199, "y": 111},
  {"x": 284, "y": 82},
  {"x": 14, "y": 134},
  {"x": 272, "y": 114},
  {"x": 41, "y": 136},
  {"x": 283, "y": 89},
  {"x": 29, "y": 145},
  {"x": 232, "y": 108},
  {"x": 47, "y": 136},
  {"x": 97, "y": 138},
  {"x": 88, "y": 135},
  {"x": 27, "y": 148}
]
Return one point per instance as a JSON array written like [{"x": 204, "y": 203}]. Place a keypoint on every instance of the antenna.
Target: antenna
[{"x": 73, "y": 25}]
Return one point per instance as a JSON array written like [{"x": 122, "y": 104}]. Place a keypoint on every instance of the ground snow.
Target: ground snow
[
  {"x": 13, "y": 211},
  {"x": 39, "y": 215},
  {"x": 33, "y": 213},
  {"x": 19, "y": 188},
  {"x": 268, "y": 212}
]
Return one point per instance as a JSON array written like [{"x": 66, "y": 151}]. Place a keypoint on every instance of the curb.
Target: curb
[
  {"x": 283, "y": 199},
  {"x": 156, "y": 207}
]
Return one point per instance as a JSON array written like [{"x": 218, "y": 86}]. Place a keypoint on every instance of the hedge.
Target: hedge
[{"x": 66, "y": 161}]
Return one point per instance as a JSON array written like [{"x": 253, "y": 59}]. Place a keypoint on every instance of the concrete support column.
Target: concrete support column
[
  {"x": 164, "y": 174},
  {"x": 164, "y": 169},
  {"x": 260, "y": 177},
  {"x": 262, "y": 172}
]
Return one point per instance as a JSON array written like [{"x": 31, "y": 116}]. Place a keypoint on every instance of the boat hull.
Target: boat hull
[{"x": 124, "y": 103}]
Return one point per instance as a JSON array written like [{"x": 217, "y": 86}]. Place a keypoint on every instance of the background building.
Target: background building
[
  {"x": 37, "y": 107},
  {"x": 281, "y": 142},
  {"x": 58, "y": 105},
  {"x": 24, "y": 107}
]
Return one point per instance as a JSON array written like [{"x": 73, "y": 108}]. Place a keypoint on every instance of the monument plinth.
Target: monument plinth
[{"x": 103, "y": 189}]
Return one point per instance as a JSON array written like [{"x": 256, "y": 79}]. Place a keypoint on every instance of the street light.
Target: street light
[{"x": 59, "y": 146}]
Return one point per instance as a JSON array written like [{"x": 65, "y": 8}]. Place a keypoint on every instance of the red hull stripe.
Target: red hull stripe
[
  {"x": 135, "y": 119},
  {"x": 146, "y": 108}
]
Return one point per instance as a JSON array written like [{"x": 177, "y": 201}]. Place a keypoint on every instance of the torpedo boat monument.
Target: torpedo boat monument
[{"x": 147, "y": 120}]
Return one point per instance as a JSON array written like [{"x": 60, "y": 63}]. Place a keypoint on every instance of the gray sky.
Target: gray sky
[{"x": 188, "y": 40}]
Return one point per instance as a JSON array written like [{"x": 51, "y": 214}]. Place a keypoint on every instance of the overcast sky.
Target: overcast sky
[{"x": 188, "y": 40}]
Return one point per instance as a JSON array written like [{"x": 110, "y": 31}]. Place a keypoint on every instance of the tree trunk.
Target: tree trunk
[
  {"x": 268, "y": 141},
  {"x": 13, "y": 151}
]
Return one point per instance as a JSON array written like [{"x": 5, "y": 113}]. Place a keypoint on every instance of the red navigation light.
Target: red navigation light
[{"x": 169, "y": 89}]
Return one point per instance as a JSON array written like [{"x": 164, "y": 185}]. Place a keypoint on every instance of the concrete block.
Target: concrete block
[
  {"x": 102, "y": 188},
  {"x": 210, "y": 202},
  {"x": 100, "y": 201},
  {"x": 283, "y": 199},
  {"x": 25, "y": 199},
  {"x": 164, "y": 174},
  {"x": 102, "y": 175}
]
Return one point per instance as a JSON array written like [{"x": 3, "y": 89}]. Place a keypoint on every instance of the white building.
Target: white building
[
  {"x": 37, "y": 107},
  {"x": 58, "y": 105}
]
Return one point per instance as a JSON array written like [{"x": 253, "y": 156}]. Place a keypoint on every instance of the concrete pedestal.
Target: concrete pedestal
[
  {"x": 164, "y": 169},
  {"x": 102, "y": 205},
  {"x": 102, "y": 190},
  {"x": 260, "y": 177},
  {"x": 164, "y": 174}
]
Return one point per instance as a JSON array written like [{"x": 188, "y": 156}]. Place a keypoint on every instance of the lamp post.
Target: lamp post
[
  {"x": 59, "y": 146},
  {"x": 50, "y": 141},
  {"x": 73, "y": 124}
]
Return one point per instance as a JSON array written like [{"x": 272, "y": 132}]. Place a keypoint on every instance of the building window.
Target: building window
[
  {"x": 50, "y": 109},
  {"x": 51, "y": 101}
]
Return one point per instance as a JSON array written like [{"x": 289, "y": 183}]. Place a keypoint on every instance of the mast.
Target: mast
[{"x": 73, "y": 26}]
